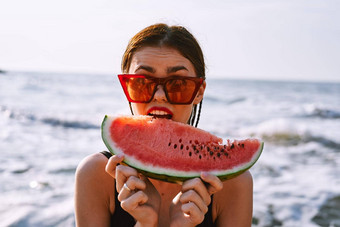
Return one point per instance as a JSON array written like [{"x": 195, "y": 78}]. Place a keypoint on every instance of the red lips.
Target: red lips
[{"x": 160, "y": 111}]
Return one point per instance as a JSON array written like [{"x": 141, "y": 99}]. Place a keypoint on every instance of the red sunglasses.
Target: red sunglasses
[{"x": 178, "y": 89}]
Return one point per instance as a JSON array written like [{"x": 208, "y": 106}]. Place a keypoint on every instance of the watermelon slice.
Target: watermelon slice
[{"x": 172, "y": 151}]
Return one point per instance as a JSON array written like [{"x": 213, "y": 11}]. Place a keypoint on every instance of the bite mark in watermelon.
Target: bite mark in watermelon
[{"x": 171, "y": 151}]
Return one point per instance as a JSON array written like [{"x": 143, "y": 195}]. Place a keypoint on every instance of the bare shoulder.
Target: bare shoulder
[
  {"x": 234, "y": 203},
  {"x": 243, "y": 180},
  {"x": 91, "y": 174},
  {"x": 93, "y": 164},
  {"x": 94, "y": 191},
  {"x": 236, "y": 187}
]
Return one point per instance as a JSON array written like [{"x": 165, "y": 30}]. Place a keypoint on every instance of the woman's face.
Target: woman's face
[{"x": 163, "y": 62}]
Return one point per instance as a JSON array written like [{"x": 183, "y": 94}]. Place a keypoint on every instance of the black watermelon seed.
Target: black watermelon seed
[
  {"x": 218, "y": 154},
  {"x": 169, "y": 144},
  {"x": 222, "y": 150},
  {"x": 200, "y": 156},
  {"x": 180, "y": 140},
  {"x": 190, "y": 153},
  {"x": 182, "y": 146},
  {"x": 197, "y": 151},
  {"x": 175, "y": 146},
  {"x": 226, "y": 154},
  {"x": 242, "y": 145},
  {"x": 208, "y": 149},
  {"x": 232, "y": 146},
  {"x": 211, "y": 153},
  {"x": 187, "y": 147},
  {"x": 225, "y": 146}
]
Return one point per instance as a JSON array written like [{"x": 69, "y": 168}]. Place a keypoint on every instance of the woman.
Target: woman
[{"x": 165, "y": 60}]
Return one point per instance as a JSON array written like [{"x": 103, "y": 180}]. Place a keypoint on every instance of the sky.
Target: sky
[{"x": 243, "y": 39}]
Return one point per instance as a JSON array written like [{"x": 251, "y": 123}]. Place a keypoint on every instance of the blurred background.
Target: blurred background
[
  {"x": 273, "y": 73},
  {"x": 270, "y": 39}
]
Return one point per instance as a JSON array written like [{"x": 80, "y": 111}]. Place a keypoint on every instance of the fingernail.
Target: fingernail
[{"x": 120, "y": 156}]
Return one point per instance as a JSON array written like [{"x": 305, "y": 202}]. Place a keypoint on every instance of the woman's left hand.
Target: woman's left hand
[{"x": 191, "y": 204}]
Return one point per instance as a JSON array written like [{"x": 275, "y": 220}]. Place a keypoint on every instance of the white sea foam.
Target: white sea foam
[{"x": 276, "y": 128}]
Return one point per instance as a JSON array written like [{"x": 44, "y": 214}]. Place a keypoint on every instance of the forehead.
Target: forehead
[{"x": 159, "y": 58}]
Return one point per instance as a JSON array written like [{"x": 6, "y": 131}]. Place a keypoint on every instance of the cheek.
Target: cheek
[
  {"x": 138, "y": 108},
  {"x": 182, "y": 113}
]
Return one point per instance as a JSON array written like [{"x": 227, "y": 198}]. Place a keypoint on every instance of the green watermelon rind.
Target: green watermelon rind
[{"x": 179, "y": 177}]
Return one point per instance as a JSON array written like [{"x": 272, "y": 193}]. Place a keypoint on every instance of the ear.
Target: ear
[{"x": 200, "y": 93}]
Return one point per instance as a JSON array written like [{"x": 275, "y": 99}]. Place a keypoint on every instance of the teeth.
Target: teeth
[{"x": 158, "y": 112}]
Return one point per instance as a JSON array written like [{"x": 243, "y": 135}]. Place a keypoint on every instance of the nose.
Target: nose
[{"x": 160, "y": 94}]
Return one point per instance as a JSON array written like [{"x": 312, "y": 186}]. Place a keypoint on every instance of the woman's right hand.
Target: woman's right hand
[{"x": 138, "y": 197}]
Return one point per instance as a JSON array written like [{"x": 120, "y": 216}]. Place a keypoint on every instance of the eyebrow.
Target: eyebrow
[
  {"x": 176, "y": 68},
  {"x": 169, "y": 69},
  {"x": 146, "y": 68}
]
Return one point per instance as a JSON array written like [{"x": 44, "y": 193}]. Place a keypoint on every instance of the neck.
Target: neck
[
  {"x": 167, "y": 191},
  {"x": 165, "y": 187}
]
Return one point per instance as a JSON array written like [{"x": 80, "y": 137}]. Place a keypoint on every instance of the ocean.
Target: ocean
[{"x": 49, "y": 122}]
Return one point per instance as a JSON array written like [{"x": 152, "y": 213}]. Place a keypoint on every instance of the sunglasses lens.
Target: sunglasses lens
[
  {"x": 140, "y": 89},
  {"x": 180, "y": 90}
]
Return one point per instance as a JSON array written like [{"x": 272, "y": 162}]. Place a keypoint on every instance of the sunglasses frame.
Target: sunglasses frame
[{"x": 160, "y": 81}]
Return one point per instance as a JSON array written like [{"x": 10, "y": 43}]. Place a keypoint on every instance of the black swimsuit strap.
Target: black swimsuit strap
[
  {"x": 106, "y": 154},
  {"x": 208, "y": 219},
  {"x": 124, "y": 219}
]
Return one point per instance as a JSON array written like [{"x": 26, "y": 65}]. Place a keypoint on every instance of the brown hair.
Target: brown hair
[{"x": 176, "y": 37}]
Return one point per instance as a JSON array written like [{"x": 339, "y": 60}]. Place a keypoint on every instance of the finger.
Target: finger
[
  {"x": 110, "y": 167},
  {"x": 145, "y": 180},
  {"x": 191, "y": 196},
  {"x": 122, "y": 175},
  {"x": 133, "y": 183},
  {"x": 193, "y": 212},
  {"x": 137, "y": 199},
  {"x": 197, "y": 185},
  {"x": 214, "y": 183}
]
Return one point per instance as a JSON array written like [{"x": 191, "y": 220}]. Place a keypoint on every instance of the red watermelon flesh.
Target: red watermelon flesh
[{"x": 173, "y": 151}]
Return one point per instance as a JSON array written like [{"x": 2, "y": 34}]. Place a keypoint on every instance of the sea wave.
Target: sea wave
[
  {"x": 292, "y": 139},
  {"x": 282, "y": 132},
  {"x": 53, "y": 121},
  {"x": 328, "y": 214},
  {"x": 219, "y": 100},
  {"x": 320, "y": 112},
  {"x": 69, "y": 124}
]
